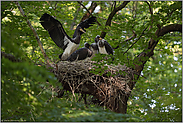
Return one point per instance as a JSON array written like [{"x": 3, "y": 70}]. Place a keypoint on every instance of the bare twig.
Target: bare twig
[
  {"x": 36, "y": 35},
  {"x": 135, "y": 41}
]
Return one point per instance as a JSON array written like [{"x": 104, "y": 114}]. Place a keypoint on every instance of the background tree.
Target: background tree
[{"x": 149, "y": 38}]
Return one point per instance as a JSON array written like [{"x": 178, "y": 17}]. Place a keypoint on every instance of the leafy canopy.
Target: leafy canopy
[{"x": 26, "y": 89}]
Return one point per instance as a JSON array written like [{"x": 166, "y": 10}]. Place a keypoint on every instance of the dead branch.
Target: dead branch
[{"x": 36, "y": 35}]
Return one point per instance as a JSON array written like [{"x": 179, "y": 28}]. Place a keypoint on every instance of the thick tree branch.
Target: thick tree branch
[
  {"x": 108, "y": 22},
  {"x": 170, "y": 28},
  {"x": 36, "y": 35},
  {"x": 143, "y": 57}
]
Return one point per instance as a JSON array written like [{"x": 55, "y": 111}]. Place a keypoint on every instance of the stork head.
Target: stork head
[
  {"x": 97, "y": 38},
  {"x": 81, "y": 30},
  {"x": 87, "y": 45},
  {"x": 101, "y": 43}
]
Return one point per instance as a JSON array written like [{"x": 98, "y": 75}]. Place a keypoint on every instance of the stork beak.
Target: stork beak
[{"x": 82, "y": 30}]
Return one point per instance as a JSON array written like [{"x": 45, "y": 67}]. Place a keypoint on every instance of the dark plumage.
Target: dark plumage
[
  {"x": 103, "y": 46},
  {"x": 60, "y": 37},
  {"x": 94, "y": 48},
  {"x": 81, "y": 54}
]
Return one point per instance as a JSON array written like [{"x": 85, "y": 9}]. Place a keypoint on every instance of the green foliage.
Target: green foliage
[
  {"x": 26, "y": 86},
  {"x": 159, "y": 98},
  {"x": 21, "y": 84}
]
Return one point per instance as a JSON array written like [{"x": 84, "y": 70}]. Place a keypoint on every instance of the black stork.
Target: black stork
[
  {"x": 94, "y": 48},
  {"x": 60, "y": 37},
  {"x": 81, "y": 54},
  {"x": 103, "y": 46}
]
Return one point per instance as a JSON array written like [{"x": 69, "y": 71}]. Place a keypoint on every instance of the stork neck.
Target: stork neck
[{"x": 77, "y": 38}]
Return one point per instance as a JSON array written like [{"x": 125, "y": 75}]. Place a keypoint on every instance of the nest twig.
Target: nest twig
[{"x": 108, "y": 89}]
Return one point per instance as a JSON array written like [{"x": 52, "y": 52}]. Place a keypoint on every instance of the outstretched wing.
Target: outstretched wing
[
  {"x": 85, "y": 24},
  {"x": 55, "y": 29},
  {"x": 108, "y": 47}
]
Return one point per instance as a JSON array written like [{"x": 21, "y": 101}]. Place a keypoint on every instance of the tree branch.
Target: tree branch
[
  {"x": 84, "y": 7},
  {"x": 90, "y": 11},
  {"x": 134, "y": 35},
  {"x": 169, "y": 14},
  {"x": 170, "y": 28},
  {"x": 151, "y": 12},
  {"x": 143, "y": 57},
  {"x": 36, "y": 35},
  {"x": 135, "y": 41},
  {"x": 108, "y": 22}
]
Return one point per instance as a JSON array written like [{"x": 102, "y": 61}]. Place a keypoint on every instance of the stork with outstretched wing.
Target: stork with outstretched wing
[{"x": 60, "y": 37}]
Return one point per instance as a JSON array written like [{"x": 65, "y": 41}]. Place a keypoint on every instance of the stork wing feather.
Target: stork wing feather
[
  {"x": 85, "y": 24},
  {"x": 108, "y": 48},
  {"x": 55, "y": 29}
]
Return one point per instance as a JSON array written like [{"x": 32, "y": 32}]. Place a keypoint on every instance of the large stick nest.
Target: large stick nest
[{"x": 108, "y": 85}]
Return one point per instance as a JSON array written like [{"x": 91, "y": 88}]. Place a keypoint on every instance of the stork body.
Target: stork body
[
  {"x": 81, "y": 54},
  {"x": 103, "y": 46}
]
